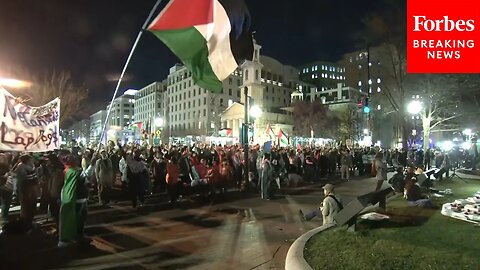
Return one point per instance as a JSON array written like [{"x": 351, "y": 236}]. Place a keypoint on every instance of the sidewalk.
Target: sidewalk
[{"x": 241, "y": 230}]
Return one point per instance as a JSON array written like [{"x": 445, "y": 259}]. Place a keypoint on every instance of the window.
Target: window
[
  {"x": 204, "y": 112},
  {"x": 359, "y": 83},
  {"x": 266, "y": 88},
  {"x": 257, "y": 77},
  {"x": 221, "y": 102},
  {"x": 204, "y": 101},
  {"x": 238, "y": 93},
  {"x": 230, "y": 92},
  {"x": 246, "y": 75},
  {"x": 230, "y": 81}
]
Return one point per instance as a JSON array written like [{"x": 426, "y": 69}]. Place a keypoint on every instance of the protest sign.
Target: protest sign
[{"x": 26, "y": 128}]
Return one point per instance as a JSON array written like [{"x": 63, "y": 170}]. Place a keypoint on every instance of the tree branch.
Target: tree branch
[{"x": 444, "y": 120}]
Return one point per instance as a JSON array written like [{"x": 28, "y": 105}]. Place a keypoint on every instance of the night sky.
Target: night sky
[{"x": 91, "y": 39}]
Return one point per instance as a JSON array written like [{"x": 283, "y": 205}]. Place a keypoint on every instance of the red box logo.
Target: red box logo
[{"x": 443, "y": 36}]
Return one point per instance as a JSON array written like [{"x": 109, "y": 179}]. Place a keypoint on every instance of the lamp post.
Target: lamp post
[
  {"x": 414, "y": 108},
  {"x": 245, "y": 137}
]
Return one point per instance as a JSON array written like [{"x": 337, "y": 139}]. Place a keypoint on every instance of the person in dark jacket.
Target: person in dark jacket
[
  {"x": 54, "y": 184},
  {"x": 414, "y": 195},
  {"x": 159, "y": 172}
]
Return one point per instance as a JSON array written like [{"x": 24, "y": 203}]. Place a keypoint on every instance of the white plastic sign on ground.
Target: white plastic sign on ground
[{"x": 28, "y": 129}]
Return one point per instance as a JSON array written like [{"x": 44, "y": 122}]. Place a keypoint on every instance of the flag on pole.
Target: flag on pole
[
  {"x": 282, "y": 139},
  {"x": 211, "y": 37},
  {"x": 269, "y": 132}
]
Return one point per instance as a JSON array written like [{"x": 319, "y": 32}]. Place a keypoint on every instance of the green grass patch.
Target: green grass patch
[{"x": 413, "y": 238}]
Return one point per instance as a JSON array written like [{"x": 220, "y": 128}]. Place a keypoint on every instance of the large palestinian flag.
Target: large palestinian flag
[{"x": 211, "y": 37}]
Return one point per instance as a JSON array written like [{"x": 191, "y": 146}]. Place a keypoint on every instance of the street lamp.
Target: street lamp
[
  {"x": 414, "y": 107},
  {"x": 467, "y": 132},
  {"x": 256, "y": 111},
  {"x": 14, "y": 83},
  {"x": 159, "y": 122}
]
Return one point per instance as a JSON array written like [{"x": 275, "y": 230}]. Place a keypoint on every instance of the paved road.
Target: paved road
[{"x": 238, "y": 232}]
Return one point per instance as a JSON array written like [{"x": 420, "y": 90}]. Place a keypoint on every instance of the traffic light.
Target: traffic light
[
  {"x": 366, "y": 108},
  {"x": 360, "y": 103}
]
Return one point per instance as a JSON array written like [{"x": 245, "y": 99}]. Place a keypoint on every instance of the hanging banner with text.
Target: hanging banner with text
[{"x": 28, "y": 129}]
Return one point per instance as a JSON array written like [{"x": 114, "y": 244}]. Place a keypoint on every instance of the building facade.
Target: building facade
[
  {"x": 80, "y": 131},
  {"x": 150, "y": 106},
  {"x": 324, "y": 75},
  {"x": 374, "y": 71},
  {"x": 192, "y": 110},
  {"x": 269, "y": 84},
  {"x": 97, "y": 120}
]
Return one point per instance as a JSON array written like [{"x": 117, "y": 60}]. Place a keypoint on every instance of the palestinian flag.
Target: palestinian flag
[
  {"x": 211, "y": 37},
  {"x": 282, "y": 139},
  {"x": 269, "y": 132}
]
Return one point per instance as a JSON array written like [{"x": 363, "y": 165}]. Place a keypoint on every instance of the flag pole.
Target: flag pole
[{"x": 145, "y": 24}]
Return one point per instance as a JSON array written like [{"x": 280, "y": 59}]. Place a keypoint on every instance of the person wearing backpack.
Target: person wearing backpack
[{"x": 329, "y": 208}]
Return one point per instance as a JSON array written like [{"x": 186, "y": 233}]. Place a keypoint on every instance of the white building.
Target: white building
[
  {"x": 97, "y": 121},
  {"x": 270, "y": 85},
  {"x": 80, "y": 131},
  {"x": 150, "y": 105},
  {"x": 193, "y": 110},
  {"x": 337, "y": 96},
  {"x": 121, "y": 116}
]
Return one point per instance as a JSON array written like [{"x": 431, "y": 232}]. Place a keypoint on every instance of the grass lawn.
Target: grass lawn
[{"x": 413, "y": 238}]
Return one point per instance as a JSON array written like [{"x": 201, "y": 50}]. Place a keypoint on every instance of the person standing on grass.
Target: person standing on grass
[{"x": 329, "y": 208}]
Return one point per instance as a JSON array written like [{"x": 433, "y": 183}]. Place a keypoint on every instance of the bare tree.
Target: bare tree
[
  {"x": 310, "y": 116},
  {"x": 346, "y": 118},
  {"x": 73, "y": 103}
]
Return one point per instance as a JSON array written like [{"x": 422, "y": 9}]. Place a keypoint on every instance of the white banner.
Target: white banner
[{"x": 26, "y": 128}]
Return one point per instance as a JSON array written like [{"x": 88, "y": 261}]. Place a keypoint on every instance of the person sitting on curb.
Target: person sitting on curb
[{"x": 329, "y": 208}]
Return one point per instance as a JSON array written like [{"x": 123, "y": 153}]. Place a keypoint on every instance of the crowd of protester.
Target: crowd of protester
[{"x": 65, "y": 181}]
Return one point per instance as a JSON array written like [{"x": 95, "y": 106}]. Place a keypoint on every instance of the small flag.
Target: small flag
[
  {"x": 269, "y": 132},
  {"x": 282, "y": 139},
  {"x": 211, "y": 37}
]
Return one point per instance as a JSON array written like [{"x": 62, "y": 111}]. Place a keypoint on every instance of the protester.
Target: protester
[
  {"x": 329, "y": 208},
  {"x": 346, "y": 164},
  {"x": 381, "y": 170},
  {"x": 54, "y": 183},
  {"x": 104, "y": 174},
  {"x": 28, "y": 188},
  {"x": 73, "y": 210},
  {"x": 266, "y": 177}
]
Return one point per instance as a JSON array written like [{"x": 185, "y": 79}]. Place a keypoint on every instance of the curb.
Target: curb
[{"x": 295, "y": 259}]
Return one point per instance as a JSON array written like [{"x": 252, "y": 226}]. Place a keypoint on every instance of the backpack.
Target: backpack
[{"x": 374, "y": 169}]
